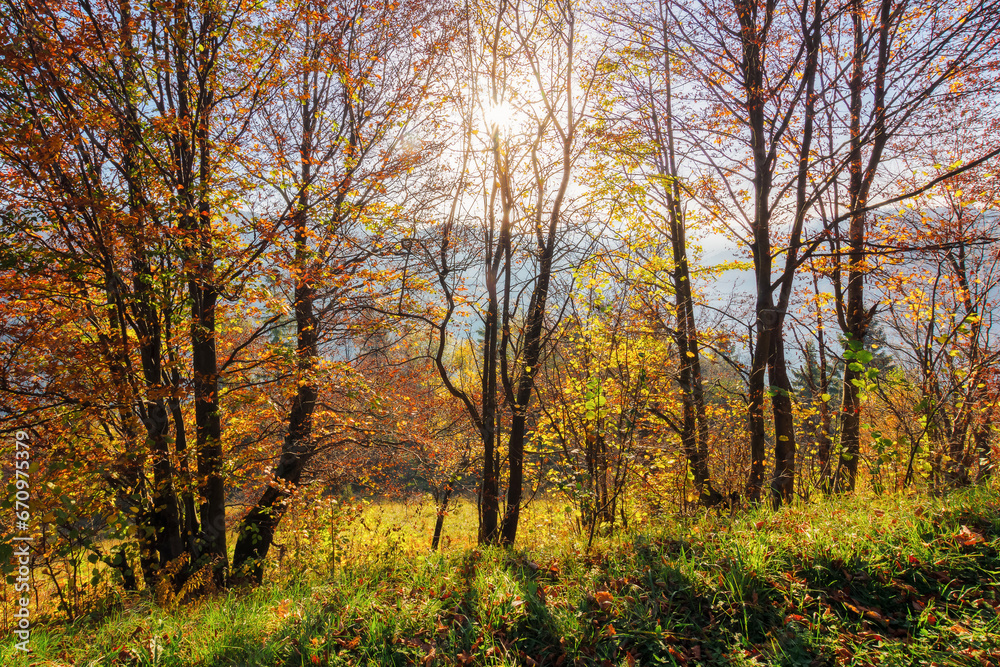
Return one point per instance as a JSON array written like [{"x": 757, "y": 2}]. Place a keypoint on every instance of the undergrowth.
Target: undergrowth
[{"x": 899, "y": 580}]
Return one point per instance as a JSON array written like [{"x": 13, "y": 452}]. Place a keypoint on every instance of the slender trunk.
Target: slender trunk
[
  {"x": 588, "y": 506},
  {"x": 439, "y": 521},
  {"x": 751, "y": 39},
  {"x": 532, "y": 357},
  {"x": 487, "y": 496},
  {"x": 857, "y": 319},
  {"x": 961, "y": 460},
  {"x": 850, "y": 434},
  {"x": 708, "y": 495},
  {"x": 783, "y": 482},
  {"x": 755, "y": 407},
  {"x": 694, "y": 434},
  {"x": 489, "y": 516},
  {"x": 190, "y": 520},
  {"x": 823, "y": 437},
  {"x": 604, "y": 499},
  {"x": 257, "y": 529},
  {"x": 825, "y": 443}
]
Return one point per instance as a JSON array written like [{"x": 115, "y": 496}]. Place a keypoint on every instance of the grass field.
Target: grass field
[{"x": 901, "y": 580}]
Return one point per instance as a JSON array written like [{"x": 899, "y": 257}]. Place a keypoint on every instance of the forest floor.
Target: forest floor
[{"x": 892, "y": 580}]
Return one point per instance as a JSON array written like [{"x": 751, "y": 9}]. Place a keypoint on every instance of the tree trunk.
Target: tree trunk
[
  {"x": 694, "y": 434},
  {"x": 439, "y": 521},
  {"x": 256, "y": 532},
  {"x": 257, "y": 529},
  {"x": 532, "y": 357},
  {"x": 208, "y": 426},
  {"x": 783, "y": 482},
  {"x": 489, "y": 493},
  {"x": 167, "y": 527},
  {"x": 752, "y": 65},
  {"x": 755, "y": 407},
  {"x": 856, "y": 319}
]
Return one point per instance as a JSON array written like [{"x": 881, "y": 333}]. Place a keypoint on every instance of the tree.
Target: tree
[
  {"x": 939, "y": 290},
  {"x": 338, "y": 147},
  {"x": 521, "y": 94},
  {"x": 757, "y": 87},
  {"x": 903, "y": 55},
  {"x": 121, "y": 126},
  {"x": 638, "y": 136},
  {"x": 594, "y": 398}
]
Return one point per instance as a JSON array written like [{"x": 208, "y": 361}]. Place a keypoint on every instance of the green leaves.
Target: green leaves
[{"x": 594, "y": 400}]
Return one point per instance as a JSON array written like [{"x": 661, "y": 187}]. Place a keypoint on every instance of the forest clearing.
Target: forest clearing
[
  {"x": 486, "y": 332},
  {"x": 889, "y": 581}
]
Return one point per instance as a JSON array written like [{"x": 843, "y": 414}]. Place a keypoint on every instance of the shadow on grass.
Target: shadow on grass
[{"x": 655, "y": 601}]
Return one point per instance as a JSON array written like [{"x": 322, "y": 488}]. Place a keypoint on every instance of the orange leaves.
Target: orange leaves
[
  {"x": 287, "y": 608},
  {"x": 969, "y": 538},
  {"x": 604, "y": 600}
]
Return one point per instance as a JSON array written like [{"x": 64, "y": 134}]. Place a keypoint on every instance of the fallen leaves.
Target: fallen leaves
[
  {"x": 969, "y": 538},
  {"x": 604, "y": 600},
  {"x": 867, "y": 613}
]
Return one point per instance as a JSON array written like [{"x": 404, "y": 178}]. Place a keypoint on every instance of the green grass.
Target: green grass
[{"x": 902, "y": 580}]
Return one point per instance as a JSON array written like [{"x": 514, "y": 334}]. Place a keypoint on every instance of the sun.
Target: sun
[{"x": 498, "y": 115}]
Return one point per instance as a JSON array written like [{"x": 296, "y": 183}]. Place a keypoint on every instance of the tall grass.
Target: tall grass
[{"x": 897, "y": 580}]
